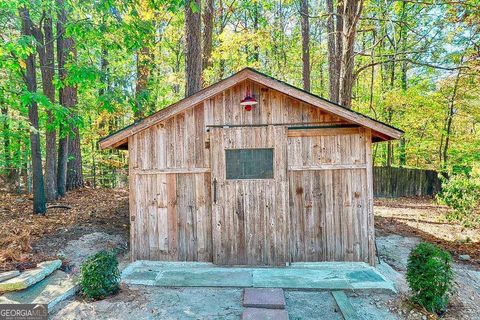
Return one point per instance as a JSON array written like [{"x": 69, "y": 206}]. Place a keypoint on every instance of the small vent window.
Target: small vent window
[{"x": 249, "y": 163}]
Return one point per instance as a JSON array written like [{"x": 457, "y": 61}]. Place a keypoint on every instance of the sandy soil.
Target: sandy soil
[
  {"x": 424, "y": 219},
  {"x": 157, "y": 303}
]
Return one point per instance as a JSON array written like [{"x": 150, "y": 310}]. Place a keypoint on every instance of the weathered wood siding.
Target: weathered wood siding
[
  {"x": 273, "y": 108},
  {"x": 328, "y": 195},
  {"x": 171, "y": 216},
  {"x": 317, "y": 207},
  {"x": 170, "y": 188}
]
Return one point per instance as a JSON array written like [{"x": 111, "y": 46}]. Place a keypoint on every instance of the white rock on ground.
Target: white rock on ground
[
  {"x": 394, "y": 249},
  {"x": 464, "y": 257},
  {"x": 391, "y": 274},
  {"x": 30, "y": 277},
  {"x": 76, "y": 251}
]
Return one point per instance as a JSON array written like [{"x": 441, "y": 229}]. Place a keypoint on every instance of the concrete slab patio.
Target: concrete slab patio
[{"x": 314, "y": 276}]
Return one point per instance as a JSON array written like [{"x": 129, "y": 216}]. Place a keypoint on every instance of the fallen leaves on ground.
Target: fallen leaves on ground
[{"x": 20, "y": 228}]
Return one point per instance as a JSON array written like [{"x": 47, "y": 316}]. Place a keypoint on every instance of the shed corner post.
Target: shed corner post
[
  {"x": 370, "y": 215},
  {"x": 132, "y": 195}
]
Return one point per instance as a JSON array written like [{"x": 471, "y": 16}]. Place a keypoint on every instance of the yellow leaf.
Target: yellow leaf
[{"x": 22, "y": 63}]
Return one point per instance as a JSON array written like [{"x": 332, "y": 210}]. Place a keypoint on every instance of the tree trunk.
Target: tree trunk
[
  {"x": 63, "y": 131},
  {"x": 351, "y": 14},
  {"x": 403, "y": 35},
  {"x": 372, "y": 74},
  {"x": 256, "y": 13},
  {"x": 141, "y": 86},
  {"x": 449, "y": 121},
  {"x": 177, "y": 66},
  {"x": 305, "y": 24},
  {"x": 68, "y": 98},
  {"x": 341, "y": 40},
  {"x": 39, "y": 200},
  {"x": 402, "y": 156},
  {"x": 208, "y": 19},
  {"x": 62, "y": 162},
  {"x": 45, "y": 49},
  {"x": 222, "y": 18},
  {"x": 333, "y": 69},
  {"x": 9, "y": 170},
  {"x": 74, "y": 165},
  {"x": 389, "y": 153},
  {"x": 193, "y": 52}
]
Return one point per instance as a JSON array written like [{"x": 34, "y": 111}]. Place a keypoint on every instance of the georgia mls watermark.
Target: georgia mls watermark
[{"x": 23, "y": 312}]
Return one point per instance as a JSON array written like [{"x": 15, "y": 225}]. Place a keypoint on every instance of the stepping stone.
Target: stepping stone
[
  {"x": 8, "y": 275},
  {"x": 30, "y": 277},
  {"x": 270, "y": 298},
  {"x": 264, "y": 314},
  {"x": 55, "y": 288},
  {"x": 345, "y": 306}
]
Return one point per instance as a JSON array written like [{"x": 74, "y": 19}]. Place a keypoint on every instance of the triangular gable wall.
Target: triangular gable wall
[{"x": 306, "y": 108}]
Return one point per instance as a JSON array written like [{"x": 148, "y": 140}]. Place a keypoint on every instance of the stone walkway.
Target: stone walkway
[
  {"x": 28, "y": 278},
  {"x": 50, "y": 291},
  {"x": 42, "y": 285},
  {"x": 269, "y": 303},
  {"x": 319, "y": 276},
  {"x": 264, "y": 303}
]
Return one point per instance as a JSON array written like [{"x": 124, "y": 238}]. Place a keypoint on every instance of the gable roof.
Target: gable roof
[{"x": 381, "y": 131}]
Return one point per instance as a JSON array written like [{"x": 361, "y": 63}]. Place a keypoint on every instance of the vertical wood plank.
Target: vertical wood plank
[
  {"x": 172, "y": 216},
  {"x": 132, "y": 199},
  {"x": 162, "y": 211},
  {"x": 369, "y": 173}
]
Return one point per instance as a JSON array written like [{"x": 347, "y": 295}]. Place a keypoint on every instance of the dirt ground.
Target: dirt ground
[
  {"x": 402, "y": 223},
  {"x": 422, "y": 218},
  {"x": 99, "y": 219},
  {"x": 26, "y": 238}
]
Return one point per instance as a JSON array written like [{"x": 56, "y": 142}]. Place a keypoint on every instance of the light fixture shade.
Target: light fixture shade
[{"x": 248, "y": 101}]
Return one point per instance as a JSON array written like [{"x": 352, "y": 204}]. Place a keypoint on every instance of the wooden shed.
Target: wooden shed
[{"x": 288, "y": 180}]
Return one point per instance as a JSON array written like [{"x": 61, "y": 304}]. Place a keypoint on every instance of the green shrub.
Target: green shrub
[
  {"x": 462, "y": 194},
  {"x": 99, "y": 275},
  {"x": 430, "y": 276}
]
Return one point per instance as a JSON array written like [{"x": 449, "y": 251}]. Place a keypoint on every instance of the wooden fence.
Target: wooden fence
[{"x": 391, "y": 182}]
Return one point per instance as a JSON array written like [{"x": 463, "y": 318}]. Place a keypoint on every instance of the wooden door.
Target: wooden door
[
  {"x": 329, "y": 195},
  {"x": 249, "y": 203}
]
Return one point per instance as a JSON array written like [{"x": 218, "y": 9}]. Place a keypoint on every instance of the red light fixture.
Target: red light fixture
[{"x": 249, "y": 101}]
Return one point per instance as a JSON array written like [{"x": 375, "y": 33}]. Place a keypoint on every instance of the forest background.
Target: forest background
[{"x": 72, "y": 72}]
